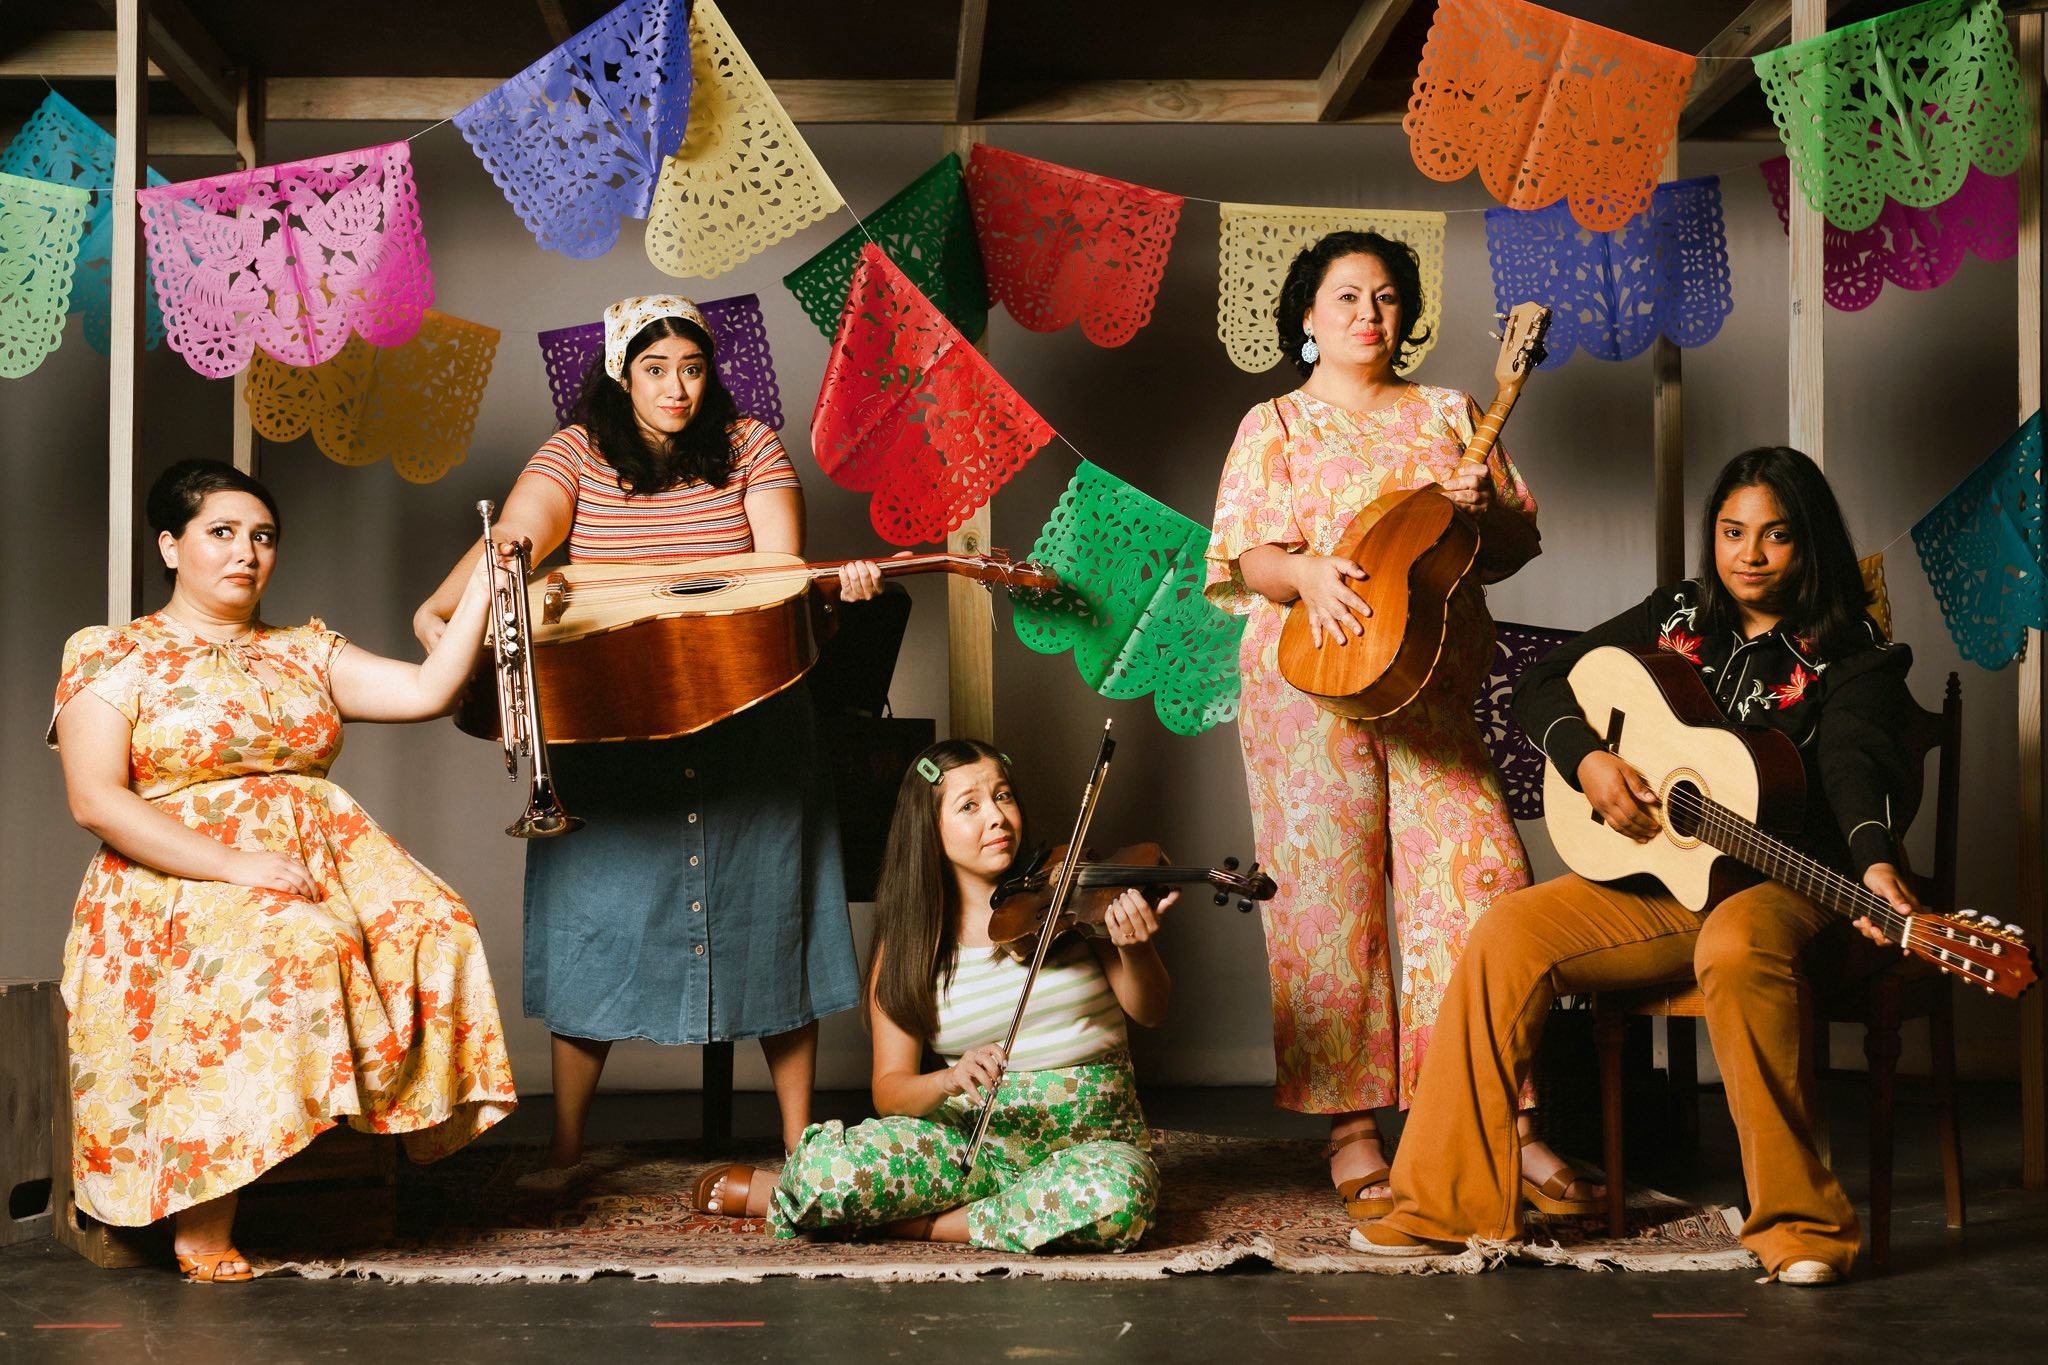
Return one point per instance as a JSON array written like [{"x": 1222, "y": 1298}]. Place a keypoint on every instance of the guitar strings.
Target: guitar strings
[{"x": 1778, "y": 859}]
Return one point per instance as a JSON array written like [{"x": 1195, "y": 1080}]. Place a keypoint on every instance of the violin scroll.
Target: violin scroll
[{"x": 1252, "y": 886}]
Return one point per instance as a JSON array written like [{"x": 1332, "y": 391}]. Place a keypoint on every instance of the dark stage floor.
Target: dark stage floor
[{"x": 1980, "y": 1294}]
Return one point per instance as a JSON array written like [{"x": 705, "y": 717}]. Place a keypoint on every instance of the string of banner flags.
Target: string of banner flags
[{"x": 313, "y": 277}]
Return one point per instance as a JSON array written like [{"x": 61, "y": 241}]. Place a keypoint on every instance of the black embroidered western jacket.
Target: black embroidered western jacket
[{"x": 1848, "y": 715}]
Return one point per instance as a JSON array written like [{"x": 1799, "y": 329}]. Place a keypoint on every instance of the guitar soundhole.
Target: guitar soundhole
[
  {"x": 1683, "y": 805},
  {"x": 695, "y": 587}
]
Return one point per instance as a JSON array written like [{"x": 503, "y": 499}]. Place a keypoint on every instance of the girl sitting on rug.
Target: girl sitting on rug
[{"x": 1064, "y": 1166}]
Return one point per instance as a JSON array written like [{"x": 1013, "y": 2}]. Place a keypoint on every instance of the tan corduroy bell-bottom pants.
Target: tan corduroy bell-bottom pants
[{"x": 1458, "y": 1172}]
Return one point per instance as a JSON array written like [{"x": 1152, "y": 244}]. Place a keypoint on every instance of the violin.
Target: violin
[{"x": 1021, "y": 899}]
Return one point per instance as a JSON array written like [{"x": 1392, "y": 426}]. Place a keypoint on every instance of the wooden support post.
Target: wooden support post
[
  {"x": 248, "y": 453},
  {"x": 970, "y": 610},
  {"x": 1809, "y": 20},
  {"x": 1668, "y": 439},
  {"x": 2033, "y": 702},
  {"x": 124, "y": 360},
  {"x": 967, "y": 64}
]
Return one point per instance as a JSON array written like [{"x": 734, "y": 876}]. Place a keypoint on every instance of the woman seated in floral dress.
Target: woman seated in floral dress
[
  {"x": 1065, "y": 1166},
  {"x": 252, "y": 960}
]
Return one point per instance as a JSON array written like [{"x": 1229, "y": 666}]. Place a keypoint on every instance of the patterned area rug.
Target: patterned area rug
[{"x": 1225, "y": 1200}]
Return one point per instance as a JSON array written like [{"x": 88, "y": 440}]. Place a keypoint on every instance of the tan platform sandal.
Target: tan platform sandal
[
  {"x": 1380, "y": 1205},
  {"x": 1553, "y": 1195}
]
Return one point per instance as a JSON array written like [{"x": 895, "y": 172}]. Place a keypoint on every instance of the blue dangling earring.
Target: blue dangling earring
[{"x": 1310, "y": 352}]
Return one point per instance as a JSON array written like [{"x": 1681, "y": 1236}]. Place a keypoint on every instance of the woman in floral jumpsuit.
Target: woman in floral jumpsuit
[{"x": 1342, "y": 807}]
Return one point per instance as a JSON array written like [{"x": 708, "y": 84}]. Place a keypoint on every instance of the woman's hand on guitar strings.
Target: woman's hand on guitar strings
[
  {"x": 1470, "y": 488},
  {"x": 1334, "y": 610},
  {"x": 861, "y": 579},
  {"x": 1884, "y": 880},
  {"x": 975, "y": 1075},
  {"x": 1622, "y": 797}
]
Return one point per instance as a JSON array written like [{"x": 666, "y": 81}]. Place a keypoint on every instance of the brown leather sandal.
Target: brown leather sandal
[
  {"x": 732, "y": 1200},
  {"x": 1553, "y": 1196},
  {"x": 1379, "y": 1205},
  {"x": 204, "y": 1267}
]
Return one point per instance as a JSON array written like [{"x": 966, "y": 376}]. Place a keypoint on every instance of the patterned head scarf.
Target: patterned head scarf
[{"x": 624, "y": 319}]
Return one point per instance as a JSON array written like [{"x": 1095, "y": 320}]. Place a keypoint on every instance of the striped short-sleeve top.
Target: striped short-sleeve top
[
  {"x": 681, "y": 523},
  {"x": 1073, "y": 1016}
]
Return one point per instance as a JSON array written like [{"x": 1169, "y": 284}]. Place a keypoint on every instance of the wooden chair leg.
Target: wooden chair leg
[
  {"x": 1881, "y": 1047},
  {"x": 1941, "y": 1037},
  {"x": 716, "y": 1121},
  {"x": 1610, "y": 1027},
  {"x": 1818, "y": 1065},
  {"x": 1682, "y": 1067}
]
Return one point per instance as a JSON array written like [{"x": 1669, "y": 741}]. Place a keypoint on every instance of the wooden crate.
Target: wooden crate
[
  {"x": 25, "y": 1107},
  {"x": 342, "y": 1190}
]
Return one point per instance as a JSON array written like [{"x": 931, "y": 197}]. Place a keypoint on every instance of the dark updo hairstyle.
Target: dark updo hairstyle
[
  {"x": 180, "y": 491},
  {"x": 700, "y": 453},
  {"x": 1825, "y": 600},
  {"x": 1305, "y": 277},
  {"x": 915, "y": 892}
]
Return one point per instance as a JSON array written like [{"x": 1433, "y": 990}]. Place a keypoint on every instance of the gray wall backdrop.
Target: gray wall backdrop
[{"x": 1920, "y": 388}]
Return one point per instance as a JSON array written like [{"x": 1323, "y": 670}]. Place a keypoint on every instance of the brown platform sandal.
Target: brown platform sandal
[
  {"x": 732, "y": 1201},
  {"x": 204, "y": 1267},
  {"x": 1552, "y": 1196},
  {"x": 1380, "y": 1205}
]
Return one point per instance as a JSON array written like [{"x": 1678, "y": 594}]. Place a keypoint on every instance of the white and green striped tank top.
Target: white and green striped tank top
[{"x": 1073, "y": 1018}]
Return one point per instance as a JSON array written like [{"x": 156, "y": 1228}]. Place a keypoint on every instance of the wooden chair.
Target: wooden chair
[
  {"x": 1875, "y": 988},
  {"x": 341, "y": 1190}
]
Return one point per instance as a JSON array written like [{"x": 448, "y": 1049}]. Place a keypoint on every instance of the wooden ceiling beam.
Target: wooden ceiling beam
[
  {"x": 967, "y": 59},
  {"x": 402, "y": 99},
  {"x": 558, "y": 23},
  {"x": 76, "y": 54},
  {"x": 1725, "y": 69},
  {"x": 1356, "y": 51},
  {"x": 195, "y": 63}
]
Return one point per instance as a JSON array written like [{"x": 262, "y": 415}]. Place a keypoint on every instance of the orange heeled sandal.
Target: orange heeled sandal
[{"x": 204, "y": 1267}]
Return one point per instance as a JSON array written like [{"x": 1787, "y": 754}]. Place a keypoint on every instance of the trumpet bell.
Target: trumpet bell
[{"x": 543, "y": 824}]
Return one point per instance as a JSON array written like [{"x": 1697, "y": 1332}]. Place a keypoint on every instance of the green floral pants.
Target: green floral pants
[{"x": 1064, "y": 1167}]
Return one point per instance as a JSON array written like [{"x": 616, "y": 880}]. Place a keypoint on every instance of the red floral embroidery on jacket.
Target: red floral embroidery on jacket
[
  {"x": 1678, "y": 642},
  {"x": 1794, "y": 688}
]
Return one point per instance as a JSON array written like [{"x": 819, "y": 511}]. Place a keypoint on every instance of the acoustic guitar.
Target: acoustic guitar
[
  {"x": 653, "y": 651},
  {"x": 1416, "y": 548},
  {"x": 1722, "y": 790}
]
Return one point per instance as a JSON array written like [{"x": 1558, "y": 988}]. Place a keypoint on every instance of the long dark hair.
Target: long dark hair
[
  {"x": 700, "y": 453},
  {"x": 1825, "y": 601},
  {"x": 1305, "y": 276},
  {"x": 915, "y": 894},
  {"x": 180, "y": 491}
]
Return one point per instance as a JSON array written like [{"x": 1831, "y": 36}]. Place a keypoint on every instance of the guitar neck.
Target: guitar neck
[
  {"x": 1741, "y": 839},
  {"x": 936, "y": 561},
  {"x": 1480, "y": 448}
]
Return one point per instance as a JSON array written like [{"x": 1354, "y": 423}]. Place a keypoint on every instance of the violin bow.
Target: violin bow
[{"x": 1062, "y": 890}]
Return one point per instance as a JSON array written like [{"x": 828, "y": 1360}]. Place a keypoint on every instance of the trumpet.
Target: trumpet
[{"x": 519, "y": 723}]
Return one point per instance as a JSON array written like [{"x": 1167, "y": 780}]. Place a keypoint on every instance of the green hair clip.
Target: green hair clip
[{"x": 929, "y": 771}]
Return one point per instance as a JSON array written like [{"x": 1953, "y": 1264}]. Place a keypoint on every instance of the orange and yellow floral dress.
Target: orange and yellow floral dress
[
  {"x": 217, "y": 1029},
  {"x": 1341, "y": 807}
]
